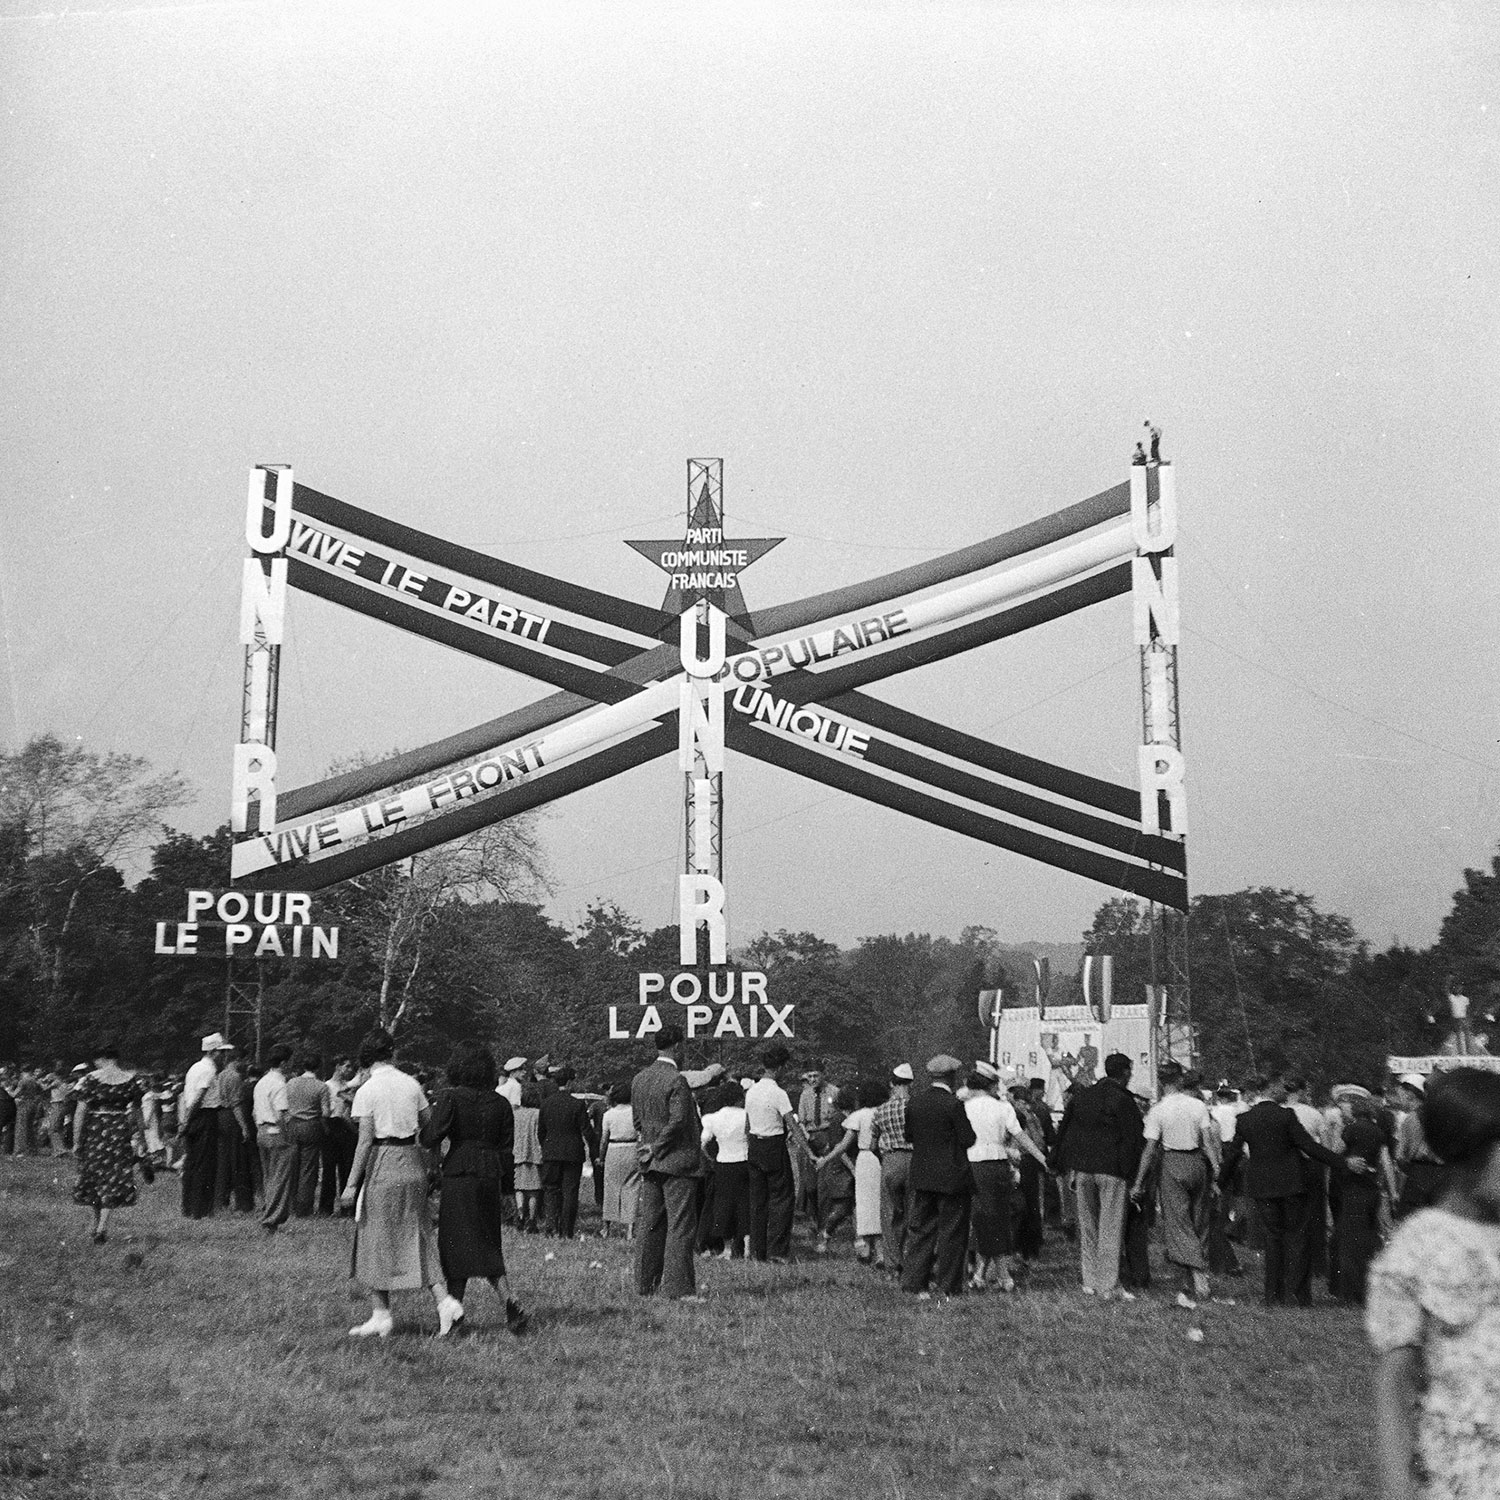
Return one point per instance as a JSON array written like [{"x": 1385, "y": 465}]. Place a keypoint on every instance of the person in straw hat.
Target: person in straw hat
[{"x": 997, "y": 1132}]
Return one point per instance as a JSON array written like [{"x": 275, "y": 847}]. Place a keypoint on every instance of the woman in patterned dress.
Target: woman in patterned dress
[
  {"x": 1433, "y": 1310},
  {"x": 107, "y": 1128}
]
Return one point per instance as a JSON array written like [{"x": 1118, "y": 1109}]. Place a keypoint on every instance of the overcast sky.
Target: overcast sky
[{"x": 916, "y": 273}]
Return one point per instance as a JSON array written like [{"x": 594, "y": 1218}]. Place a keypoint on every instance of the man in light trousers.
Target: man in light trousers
[{"x": 1100, "y": 1143}]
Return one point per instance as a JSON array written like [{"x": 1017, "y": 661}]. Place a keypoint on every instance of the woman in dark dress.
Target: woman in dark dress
[
  {"x": 107, "y": 1129},
  {"x": 1356, "y": 1227},
  {"x": 478, "y": 1175}
]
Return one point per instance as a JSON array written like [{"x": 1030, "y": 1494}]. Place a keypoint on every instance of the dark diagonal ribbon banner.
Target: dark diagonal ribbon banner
[{"x": 794, "y": 677}]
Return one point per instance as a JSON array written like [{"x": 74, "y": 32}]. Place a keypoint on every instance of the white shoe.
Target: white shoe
[
  {"x": 1088, "y": 1291},
  {"x": 450, "y": 1315},
  {"x": 1123, "y": 1295},
  {"x": 378, "y": 1325},
  {"x": 1183, "y": 1300}
]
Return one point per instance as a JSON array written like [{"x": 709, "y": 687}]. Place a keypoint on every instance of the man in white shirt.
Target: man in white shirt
[
  {"x": 269, "y": 1106},
  {"x": 1181, "y": 1133},
  {"x": 997, "y": 1133},
  {"x": 198, "y": 1127},
  {"x": 770, "y": 1118}
]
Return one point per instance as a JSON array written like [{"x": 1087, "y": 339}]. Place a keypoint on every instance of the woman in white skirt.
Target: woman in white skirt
[
  {"x": 395, "y": 1246},
  {"x": 859, "y": 1133}
]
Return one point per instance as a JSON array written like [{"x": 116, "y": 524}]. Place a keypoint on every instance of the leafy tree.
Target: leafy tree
[
  {"x": 1122, "y": 929},
  {"x": 78, "y": 814},
  {"x": 1468, "y": 945}
]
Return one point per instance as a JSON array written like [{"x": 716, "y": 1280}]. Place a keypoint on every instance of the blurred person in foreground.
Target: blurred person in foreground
[
  {"x": 107, "y": 1130},
  {"x": 395, "y": 1248},
  {"x": 1433, "y": 1310},
  {"x": 478, "y": 1125}
]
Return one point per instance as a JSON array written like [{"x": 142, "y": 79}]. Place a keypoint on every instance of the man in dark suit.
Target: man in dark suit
[
  {"x": 1277, "y": 1146},
  {"x": 566, "y": 1137},
  {"x": 667, "y": 1132},
  {"x": 1100, "y": 1142},
  {"x": 941, "y": 1184}
]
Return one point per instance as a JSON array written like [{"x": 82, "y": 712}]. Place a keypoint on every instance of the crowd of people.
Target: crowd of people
[{"x": 948, "y": 1188}]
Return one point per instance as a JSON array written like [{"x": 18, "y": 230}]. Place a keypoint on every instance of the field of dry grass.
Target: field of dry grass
[{"x": 201, "y": 1360}]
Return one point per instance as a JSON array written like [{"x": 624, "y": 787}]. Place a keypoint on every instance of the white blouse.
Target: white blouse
[
  {"x": 394, "y": 1099},
  {"x": 730, "y": 1128}
]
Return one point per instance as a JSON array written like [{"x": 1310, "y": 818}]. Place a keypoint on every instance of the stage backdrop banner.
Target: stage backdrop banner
[{"x": 1070, "y": 1044}]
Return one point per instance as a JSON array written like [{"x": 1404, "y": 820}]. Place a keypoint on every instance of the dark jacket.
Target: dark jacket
[
  {"x": 481, "y": 1133},
  {"x": 937, "y": 1125},
  {"x": 1101, "y": 1131},
  {"x": 562, "y": 1127},
  {"x": 1276, "y": 1142},
  {"x": 666, "y": 1121}
]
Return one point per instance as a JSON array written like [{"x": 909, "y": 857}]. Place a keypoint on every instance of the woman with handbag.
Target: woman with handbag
[{"x": 107, "y": 1129}]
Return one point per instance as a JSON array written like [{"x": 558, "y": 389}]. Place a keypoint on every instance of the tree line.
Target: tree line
[{"x": 456, "y": 944}]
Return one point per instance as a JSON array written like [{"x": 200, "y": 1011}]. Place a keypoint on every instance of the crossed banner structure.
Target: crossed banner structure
[{"x": 793, "y": 680}]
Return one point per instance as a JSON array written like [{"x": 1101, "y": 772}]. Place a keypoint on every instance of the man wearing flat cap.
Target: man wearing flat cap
[{"x": 941, "y": 1184}]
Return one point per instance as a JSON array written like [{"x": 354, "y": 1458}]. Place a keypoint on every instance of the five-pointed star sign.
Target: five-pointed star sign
[{"x": 705, "y": 564}]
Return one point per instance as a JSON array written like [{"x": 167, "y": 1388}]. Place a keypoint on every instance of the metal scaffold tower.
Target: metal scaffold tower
[{"x": 1161, "y": 725}]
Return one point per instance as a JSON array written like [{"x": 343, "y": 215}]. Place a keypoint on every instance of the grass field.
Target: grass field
[{"x": 200, "y": 1359}]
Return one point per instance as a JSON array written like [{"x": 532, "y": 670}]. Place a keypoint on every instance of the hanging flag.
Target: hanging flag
[
  {"x": 1088, "y": 984},
  {"x": 1106, "y": 987},
  {"x": 989, "y": 1009},
  {"x": 1043, "y": 969}
]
